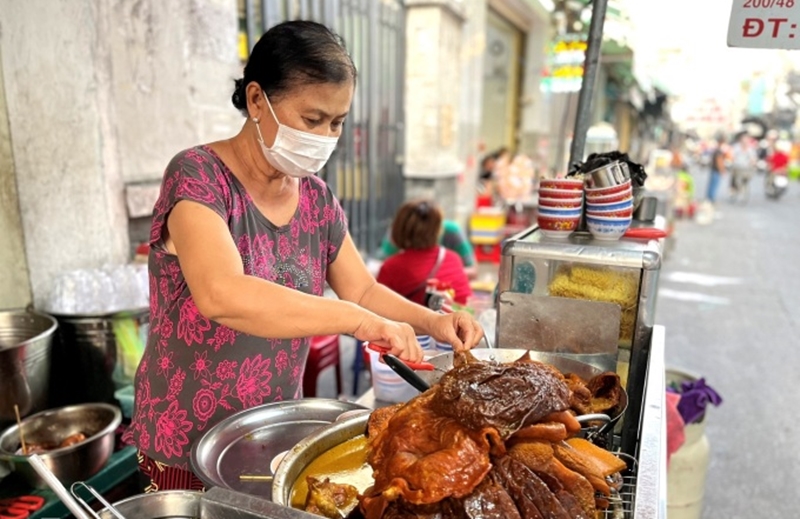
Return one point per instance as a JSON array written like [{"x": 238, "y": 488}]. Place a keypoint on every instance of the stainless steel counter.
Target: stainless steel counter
[{"x": 651, "y": 480}]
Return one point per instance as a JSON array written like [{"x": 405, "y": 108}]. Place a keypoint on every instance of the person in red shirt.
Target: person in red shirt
[
  {"x": 779, "y": 158},
  {"x": 415, "y": 231}
]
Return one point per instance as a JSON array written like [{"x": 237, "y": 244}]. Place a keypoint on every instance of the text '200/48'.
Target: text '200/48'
[{"x": 767, "y": 4}]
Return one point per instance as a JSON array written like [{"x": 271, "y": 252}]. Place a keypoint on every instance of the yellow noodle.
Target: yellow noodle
[{"x": 579, "y": 282}]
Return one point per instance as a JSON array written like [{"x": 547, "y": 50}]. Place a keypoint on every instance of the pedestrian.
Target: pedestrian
[
  {"x": 243, "y": 241},
  {"x": 717, "y": 169},
  {"x": 415, "y": 230},
  {"x": 452, "y": 237},
  {"x": 743, "y": 165}
]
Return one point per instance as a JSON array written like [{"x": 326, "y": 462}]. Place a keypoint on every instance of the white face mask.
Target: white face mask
[{"x": 296, "y": 153}]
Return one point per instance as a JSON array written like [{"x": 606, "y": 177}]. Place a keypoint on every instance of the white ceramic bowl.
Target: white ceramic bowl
[
  {"x": 560, "y": 211},
  {"x": 559, "y": 193},
  {"x": 574, "y": 184},
  {"x": 605, "y": 228},
  {"x": 557, "y": 227},
  {"x": 614, "y": 206},
  {"x": 611, "y": 199},
  {"x": 561, "y": 202},
  {"x": 610, "y": 190}
]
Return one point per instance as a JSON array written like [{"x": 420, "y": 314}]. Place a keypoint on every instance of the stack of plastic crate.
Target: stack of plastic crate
[{"x": 486, "y": 232}]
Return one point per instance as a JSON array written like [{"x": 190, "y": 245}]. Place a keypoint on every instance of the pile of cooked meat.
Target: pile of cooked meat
[
  {"x": 489, "y": 440},
  {"x": 40, "y": 448}
]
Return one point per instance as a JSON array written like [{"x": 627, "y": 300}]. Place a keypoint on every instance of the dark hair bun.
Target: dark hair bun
[
  {"x": 239, "y": 99},
  {"x": 294, "y": 53}
]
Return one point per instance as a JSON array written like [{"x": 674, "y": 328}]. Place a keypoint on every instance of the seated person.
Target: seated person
[
  {"x": 416, "y": 230},
  {"x": 451, "y": 237}
]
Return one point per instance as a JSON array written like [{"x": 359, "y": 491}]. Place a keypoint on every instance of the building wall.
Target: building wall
[
  {"x": 433, "y": 80},
  {"x": 471, "y": 147},
  {"x": 15, "y": 289},
  {"x": 172, "y": 69},
  {"x": 444, "y": 93},
  {"x": 100, "y": 93},
  {"x": 535, "y": 109},
  {"x": 432, "y": 91}
]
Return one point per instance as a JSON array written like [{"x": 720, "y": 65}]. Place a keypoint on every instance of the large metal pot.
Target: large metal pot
[
  {"x": 171, "y": 504},
  {"x": 25, "y": 346},
  {"x": 89, "y": 352},
  {"x": 309, "y": 449},
  {"x": 76, "y": 463},
  {"x": 443, "y": 362}
]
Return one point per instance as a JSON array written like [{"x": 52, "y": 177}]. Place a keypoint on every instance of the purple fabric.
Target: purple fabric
[
  {"x": 195, "y": 372},
  {"x": 695, "y": 395}
]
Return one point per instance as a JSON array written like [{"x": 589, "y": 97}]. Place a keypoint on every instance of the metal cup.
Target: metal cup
[
  {"x": 608, "y": 175},
  {"x": 626, "y": 171}
]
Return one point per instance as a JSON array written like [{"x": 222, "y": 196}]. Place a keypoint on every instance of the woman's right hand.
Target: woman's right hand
[{"x": 398, "y": 337}]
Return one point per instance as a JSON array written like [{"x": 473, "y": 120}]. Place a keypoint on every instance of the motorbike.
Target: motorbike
[{"x": 776, "y": 183}]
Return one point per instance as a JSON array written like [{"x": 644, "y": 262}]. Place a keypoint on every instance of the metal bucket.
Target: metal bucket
[
  {"x": 25, "y": 347},
  {"x": 88, "y": 351}
]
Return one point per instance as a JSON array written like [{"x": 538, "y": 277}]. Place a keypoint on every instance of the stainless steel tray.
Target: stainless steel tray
[{"x": 252, "y": 442}]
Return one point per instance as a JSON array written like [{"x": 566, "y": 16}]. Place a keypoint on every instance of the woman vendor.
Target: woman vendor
[{"x": 244, "y": 237}]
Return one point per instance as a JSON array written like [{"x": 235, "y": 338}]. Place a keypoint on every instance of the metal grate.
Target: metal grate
[
  {"x": 366, "y": 170},
  {"x": 621, "y": 502}
]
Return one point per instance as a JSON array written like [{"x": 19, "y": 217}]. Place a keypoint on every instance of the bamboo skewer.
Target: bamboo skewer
[
  {"x": 254, "y": 477},
  {"x": 21, "y": 434}
]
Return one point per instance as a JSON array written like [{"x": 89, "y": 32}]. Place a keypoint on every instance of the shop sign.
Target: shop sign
[
  {"x": 765, "y": 24},
  {"x": 564, "y": 69}
]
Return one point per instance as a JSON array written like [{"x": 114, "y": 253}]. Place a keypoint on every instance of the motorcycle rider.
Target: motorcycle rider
[{"x": 776, "y": 180}]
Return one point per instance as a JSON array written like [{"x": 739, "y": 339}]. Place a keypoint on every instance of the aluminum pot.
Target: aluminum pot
[
  {"x": 170, "y": 504},
  {"x": 78, "y": 462},
  {"x": 309, "y": 449},
  {"x": 25, "y": 350}
]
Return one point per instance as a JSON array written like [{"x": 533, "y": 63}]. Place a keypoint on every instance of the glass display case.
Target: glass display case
[{"x": 589, "y": 299}]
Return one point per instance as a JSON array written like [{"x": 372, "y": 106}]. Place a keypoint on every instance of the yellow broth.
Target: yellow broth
[{"x": 344, "y": 464}]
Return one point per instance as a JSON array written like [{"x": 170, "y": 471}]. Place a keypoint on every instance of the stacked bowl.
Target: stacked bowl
[
  {"x": 609, "y": 210},
  {"x": 560, "y": 206}
]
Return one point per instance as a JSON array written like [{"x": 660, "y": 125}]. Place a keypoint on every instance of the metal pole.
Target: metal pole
[
  {"x": 590, "y": 68},
  {"x": 373, "y": 118}
]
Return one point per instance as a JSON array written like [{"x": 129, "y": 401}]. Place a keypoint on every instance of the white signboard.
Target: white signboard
[{"x": 765, "y": 24}]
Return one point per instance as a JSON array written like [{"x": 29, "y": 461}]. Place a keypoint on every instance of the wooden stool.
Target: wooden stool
[{"x": 323, "y": 353}]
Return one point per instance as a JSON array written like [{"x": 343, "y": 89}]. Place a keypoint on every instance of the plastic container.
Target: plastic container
[
  {"x": 388, "y": 385},
  {"x": 443, "y": 347},
  {"x": 688, "y": 466},
  {"x": 426, "y": 342},
  {"x": 486, "y": 227}
]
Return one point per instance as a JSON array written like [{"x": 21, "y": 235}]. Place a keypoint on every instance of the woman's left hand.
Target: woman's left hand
[{"x": 459, "y": 329}]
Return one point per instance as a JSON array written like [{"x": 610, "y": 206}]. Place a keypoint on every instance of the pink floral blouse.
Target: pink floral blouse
[{"x": 195, "y": 372}]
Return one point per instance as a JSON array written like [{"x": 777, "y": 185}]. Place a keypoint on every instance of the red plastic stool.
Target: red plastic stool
[
  {"x": 324, "y": 353},
  {"x": 489, "y": 253}
]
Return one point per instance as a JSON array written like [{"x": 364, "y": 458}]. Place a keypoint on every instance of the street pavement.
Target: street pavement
[{"x": 729, "y": 296}]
